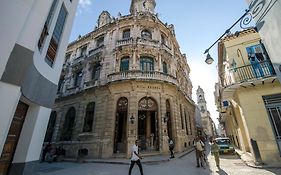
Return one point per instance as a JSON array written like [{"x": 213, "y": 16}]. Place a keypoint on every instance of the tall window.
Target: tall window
[
  {"x": 190, "y": 126},
  {"x": 124, "y": 66},
  {"x": 186, "y": 123},
  {"x": 100, "y": 41},
  {"x": 68, "y": 124},
  {"x": 45, "y": 30},
  {"x": 146, "y": 64},
  {"x": 78, "y": 78},
  {"x": 126, "y": 34},
  {"x": 67, "y": 57},
  {"x": 165, "y": 68},
  {"x": 163, "y": 40},
  {"x": 146, "y": 34},
  {"x": 83, "y": 50},
  {"x": 89, "y": 118},
  {"x": 96, "y": 71},
  {"x": 182, "y": 119},
  {"x": 52, "y": 50}
]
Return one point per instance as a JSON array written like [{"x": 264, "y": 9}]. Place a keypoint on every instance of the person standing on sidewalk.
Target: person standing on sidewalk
[
  {"x": 199, "y": 148},
  {"x": 171, "y": 148},
  {"x": 215, "y": 152},
  {"x": 135, "y": 157}
]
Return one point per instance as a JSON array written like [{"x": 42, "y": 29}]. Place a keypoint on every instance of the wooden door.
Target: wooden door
[{"x": 12, "y": 138}]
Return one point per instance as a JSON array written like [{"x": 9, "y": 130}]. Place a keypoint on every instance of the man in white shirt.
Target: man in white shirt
[
  {"x": 135, "y": 157},
  {"x": 199, "y": 148}
]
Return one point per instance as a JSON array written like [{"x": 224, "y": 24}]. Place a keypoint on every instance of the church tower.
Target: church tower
[
  {"x": 201, "y": 102},
  {"x": 142, "y": 6}
]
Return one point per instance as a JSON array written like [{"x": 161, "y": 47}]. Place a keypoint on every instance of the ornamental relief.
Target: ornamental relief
[{"x": 147, "y": 104}]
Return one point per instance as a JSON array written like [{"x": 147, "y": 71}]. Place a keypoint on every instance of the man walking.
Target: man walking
[
  {"x": 135, "y": 157},
  {"x": 215, "y": 152},
  {"x": 199, "y": 148}
]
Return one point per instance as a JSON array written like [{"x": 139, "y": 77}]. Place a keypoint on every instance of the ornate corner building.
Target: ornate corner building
[{"x": 125, "y": 80}]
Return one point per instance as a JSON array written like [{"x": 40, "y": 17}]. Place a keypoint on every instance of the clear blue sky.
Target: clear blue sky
[{"x": 198, "y": 24}]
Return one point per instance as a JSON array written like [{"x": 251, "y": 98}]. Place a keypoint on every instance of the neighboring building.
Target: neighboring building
[
  {"x": 267, "y": 15},
  {"x": 125, "y": 80},
  {"x": 249, "y": 96},
  {"x": 198, "y": 122},
  {"x": 34, "y": 36},
  {"x": 207, "y": 122}
]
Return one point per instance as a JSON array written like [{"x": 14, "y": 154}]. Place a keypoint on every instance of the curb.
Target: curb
[
  {"x": 253, "y": 165},
  {"x": 187, "y": 152},
  {"x": 128, "y": 162}
]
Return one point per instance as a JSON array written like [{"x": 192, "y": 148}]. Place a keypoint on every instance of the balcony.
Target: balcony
[
  {"x": 78, "y": 60},
  {"x": 124, "y": 42},
  {"x": 139, "y": 75},
  {"x": 96, "y": 53},
  {"x": 248, "y": 74},
  {"x": 148, "y": 42}
]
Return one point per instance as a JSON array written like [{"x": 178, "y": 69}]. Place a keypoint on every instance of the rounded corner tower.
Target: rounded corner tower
[{"x": 142, "y": 6}]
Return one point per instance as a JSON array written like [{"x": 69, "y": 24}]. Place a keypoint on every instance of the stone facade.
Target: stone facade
[{"x": 125, "y": 80}]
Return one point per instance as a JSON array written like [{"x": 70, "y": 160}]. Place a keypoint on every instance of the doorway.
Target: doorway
[
  {"x": 120, "y": 135},
  {"x": 148, "y": 125},
  {"x": 12, "y": 138}
]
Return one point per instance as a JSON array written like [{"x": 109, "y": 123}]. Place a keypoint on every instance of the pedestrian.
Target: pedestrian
[
  {"x": 199, "y": 148},
  {"x": 171, "y": 148},
  {"x": 135, "y": 158},
  {"x": 215, "y": 152}
]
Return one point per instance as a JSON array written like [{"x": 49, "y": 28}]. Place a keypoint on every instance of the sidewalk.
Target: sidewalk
[
  {"x": 146, "y": 159},
  {"x": 248, "y": 160}
]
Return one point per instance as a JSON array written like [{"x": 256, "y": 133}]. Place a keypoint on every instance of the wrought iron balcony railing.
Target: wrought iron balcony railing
[
  {"x": 247, "y": 73},
  {"x": 77, "y": 60},
  {"x": 140, "y": 75},
  {"x": 96, "y": 50}
]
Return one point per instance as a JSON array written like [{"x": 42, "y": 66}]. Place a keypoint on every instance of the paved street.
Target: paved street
[{"x": 230, "y": 164}]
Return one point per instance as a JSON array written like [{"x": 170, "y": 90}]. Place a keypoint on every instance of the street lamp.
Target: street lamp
[
  {"x": 244, "y": 21},
  {"x": 209, "y": 59}
]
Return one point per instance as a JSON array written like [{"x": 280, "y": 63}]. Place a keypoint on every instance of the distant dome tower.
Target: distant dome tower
[
  {"x": 142, "y": 6},
  {"x": 202, "y": 104}
]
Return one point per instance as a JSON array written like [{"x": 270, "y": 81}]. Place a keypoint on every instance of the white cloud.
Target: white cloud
[{"x": 84, "y": 5}]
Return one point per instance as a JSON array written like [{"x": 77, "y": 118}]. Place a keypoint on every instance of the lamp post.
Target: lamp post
[{"x": 243, "y": 21}]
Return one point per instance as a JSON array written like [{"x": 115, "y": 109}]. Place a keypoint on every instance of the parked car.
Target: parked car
[{"x": 225, "y": 145}]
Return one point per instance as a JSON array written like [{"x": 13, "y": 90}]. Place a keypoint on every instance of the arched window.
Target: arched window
[
  {"x": 145, "y": 34},
  {"x": 89, "y": 118},
  {"x": 50, "y": 128},
  {"x": 146, "y": 64},
  {"x": 165, "y": 68},
  {"x": 124, "y": 65},
  {"x": 202, "y": 109},
  {"x": 68, "y": 125}
]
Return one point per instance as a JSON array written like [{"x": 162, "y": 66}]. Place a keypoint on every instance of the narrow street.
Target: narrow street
[{"x": 230, "y": 164}]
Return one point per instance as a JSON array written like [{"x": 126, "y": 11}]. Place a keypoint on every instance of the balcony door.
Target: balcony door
[{"x": 146, "y": 64}]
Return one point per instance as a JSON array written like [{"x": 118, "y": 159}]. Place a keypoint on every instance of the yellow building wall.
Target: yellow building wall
[{"x": 257, "y": 119}]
